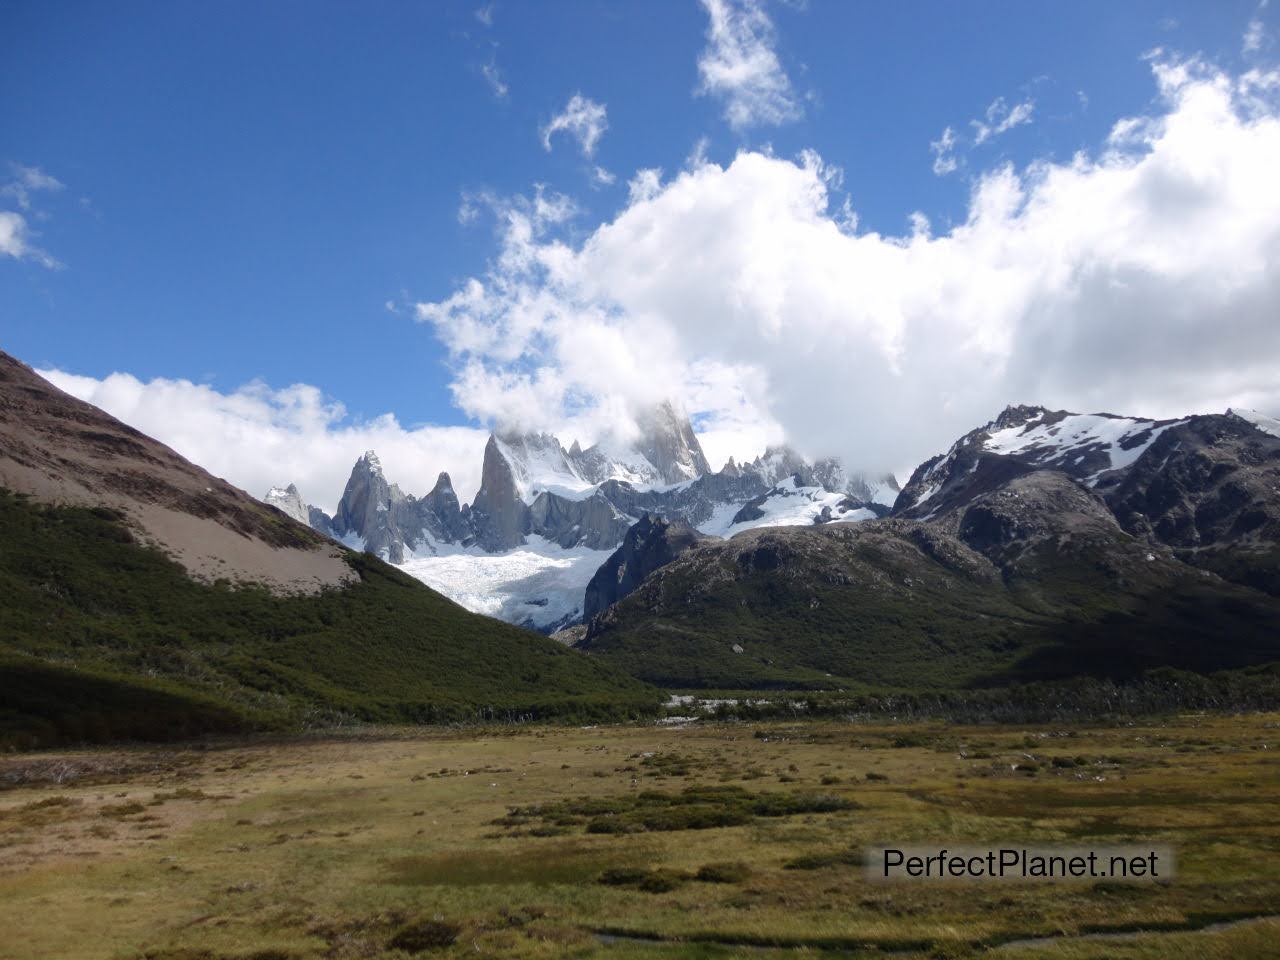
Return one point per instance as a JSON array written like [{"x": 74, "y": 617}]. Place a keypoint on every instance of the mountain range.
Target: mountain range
[
  {"x": 146, "y": 599},
  {"x": 545, "y": 517},
  {"x": 1041, "y": 546},
  {"x": 143, "y": 598}
]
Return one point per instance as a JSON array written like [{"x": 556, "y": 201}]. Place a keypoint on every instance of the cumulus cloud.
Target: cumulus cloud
[
  {"x": 583, "y": 119},
  {"x": 257, "y": 437},
  {"x": 1142, "y": 278},
  {"x": 645, "y": 185},
  {"x": 740, "y": 66}
]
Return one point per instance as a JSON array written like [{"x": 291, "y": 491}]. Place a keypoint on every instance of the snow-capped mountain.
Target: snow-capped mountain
[
  {"x": 1093, "y": 448},
  {"x": 289, "y": 502},
  {"x": 1260, "y": 420},
  {"x": 545, "y": 517}
]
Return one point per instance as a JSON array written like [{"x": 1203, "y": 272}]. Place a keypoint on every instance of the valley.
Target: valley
[
  {"x": 598, "y": 479},
  {"x": 493, "y": 842}
]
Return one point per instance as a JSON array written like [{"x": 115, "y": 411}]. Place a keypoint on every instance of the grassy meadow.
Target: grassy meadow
[{"x": 711, "y": 840}]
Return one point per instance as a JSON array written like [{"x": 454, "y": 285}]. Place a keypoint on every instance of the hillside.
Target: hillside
[
  {"x": 1017, "y": 571},
  {"x": 143, "y": 598}
]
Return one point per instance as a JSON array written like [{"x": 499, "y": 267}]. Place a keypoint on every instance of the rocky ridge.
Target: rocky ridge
[
  {"x": 1042, "y": 544},
  {"x": 652, "y": 542},
  {"x": 531, "y": 486}
]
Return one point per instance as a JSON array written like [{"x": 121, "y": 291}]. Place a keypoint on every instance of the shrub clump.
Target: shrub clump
[
  {"x": 649, "y": 881},
  {"x": 694, "y": 808},
  {"x": 424, "y": 935},
  {"x": 723, "y": 873},
  {"x": 816, "y": 861}
]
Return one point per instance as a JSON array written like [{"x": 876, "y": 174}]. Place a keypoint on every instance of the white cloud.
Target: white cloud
[
  {"x": 485, "y": 14},
  {"x": 698, "y": 155},
  {"x": 1255, "y": 35},
  {"x": 1000, "y": 118},
  {"x": 645, "y": 185},
  {"x": 1144, "y": 278},
  {"x": 15, "y": 241},
  {"x": 740, "y": 66},
  {"x": 583, "y": 119},
  {"x": 493, "y": 76},
  {"x": 257, "y": 437},
  {"x": 943, "y": 149},
  {"x": 15, "y": 231},
  {"x": 602, "y": 177},
  {"x": 26, "y": 181}
]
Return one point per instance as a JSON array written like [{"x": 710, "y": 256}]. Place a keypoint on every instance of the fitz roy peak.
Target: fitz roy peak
[{"x": 549, "y": 516}]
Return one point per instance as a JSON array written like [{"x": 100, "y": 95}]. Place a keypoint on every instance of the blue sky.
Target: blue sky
[{"x": 246, "y": 187}]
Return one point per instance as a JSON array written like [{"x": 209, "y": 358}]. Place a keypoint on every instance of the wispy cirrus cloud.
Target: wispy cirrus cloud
[
  {"x": 997, "y": 119},
  {"x": 24, "y": 181},
  {"x": 1001, "y": 118},
  {"x": 583, "y": 119},
  {"x": 943, "y": 149},
  {"x": 16, "y": 235},
  {"x": 493, "y": 77},
  {"x": 740, "y": 66}
]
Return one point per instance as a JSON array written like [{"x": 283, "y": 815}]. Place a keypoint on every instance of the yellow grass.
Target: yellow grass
[{"x": 328, "y": 847}]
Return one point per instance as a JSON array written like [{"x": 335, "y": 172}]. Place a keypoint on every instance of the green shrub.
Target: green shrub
[{"x": 141, "y": 651}]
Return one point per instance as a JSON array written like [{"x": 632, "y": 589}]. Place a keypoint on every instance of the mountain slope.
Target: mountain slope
[
  {"x": 61, "y": 450},
  {"x": 652, "y": 542},
  {"x": 545, "y": 518},
  {"x": 1209, "y": 488},
  {"x": 100, "y": 614},
  {"x": 1042, "y": 546}
]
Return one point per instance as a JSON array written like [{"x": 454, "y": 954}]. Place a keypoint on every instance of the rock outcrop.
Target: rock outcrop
[
  {"x": 499, "y": 516},
  {"x": 1210, "y": 489},
  {"x": 376, "y": 512},
  {"x": 289, "y": 502},
  {"x": 668, "y": 442},
  {"x": 652, "y": 542}
]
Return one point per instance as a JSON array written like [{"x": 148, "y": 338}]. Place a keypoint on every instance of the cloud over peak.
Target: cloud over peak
[{"x": 740, "y": 290}]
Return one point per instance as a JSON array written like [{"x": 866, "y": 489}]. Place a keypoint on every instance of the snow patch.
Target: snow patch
[
  {"x": 787, "y": 505},
  {"x": 1078, "y": 434},
  {"x": 1260, "y": 420}
]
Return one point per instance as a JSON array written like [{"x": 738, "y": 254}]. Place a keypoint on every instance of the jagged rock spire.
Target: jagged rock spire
[{"x": 668, "y": 442}]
